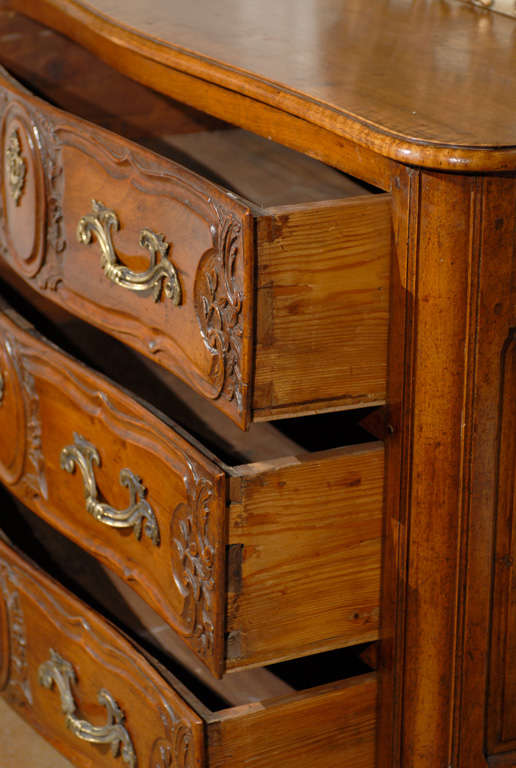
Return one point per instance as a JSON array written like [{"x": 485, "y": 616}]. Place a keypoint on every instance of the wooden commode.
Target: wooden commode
[{"x": 257, "y": 381}]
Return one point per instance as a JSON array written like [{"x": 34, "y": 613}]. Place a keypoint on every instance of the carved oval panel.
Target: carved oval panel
[
  {"x": 12, "y": 416},
  {"x": 23, "y": 190}
]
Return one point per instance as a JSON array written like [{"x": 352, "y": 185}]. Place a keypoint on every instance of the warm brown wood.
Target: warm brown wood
[
  {"x": 455, "y": 275},
  {"x": 208, "y": 339},
  {"x": 182, "y": 574},
  {"x": 334, "y": 723},
  {"x": 42, "y": 616},
  {"x": 66, "y": 73},
  {"x": 59, "y": 399},
  {"x": 365, "y": 87},
  {"x": 312, "y": 525},
  {"x": 409, "y": 82},
  {"x": 298, "y": 731},
  {"x": 502, "y": 699}
]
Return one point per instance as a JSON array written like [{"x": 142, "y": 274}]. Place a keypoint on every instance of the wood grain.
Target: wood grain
[
  {"x": 322, "y": 306},
  {"x": 46, "y": 617},
  {"x": 338, "y": 254},
  {"x": 310, "y": 532},
  {"x": 502, "y": 693},
  {"x": 331, "y": 726},
  {"x": 62, "y": 399},
  {"x": 385, "y": 78},
  {"x": 331, "y": 723},
  {"x": 328, "y": 588}
]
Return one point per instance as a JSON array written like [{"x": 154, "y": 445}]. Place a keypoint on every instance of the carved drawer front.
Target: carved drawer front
[
  {"x": 90, "y": 692},
  {"x": 178, "y": 268},
  {"x": 245, "y": 563}
]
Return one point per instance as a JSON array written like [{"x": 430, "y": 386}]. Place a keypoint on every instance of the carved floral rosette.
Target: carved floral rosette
[
  {"x": 219, "y": 300},
  {"x": 193, "y": 560},
  {"x": 13, "y": 664}
]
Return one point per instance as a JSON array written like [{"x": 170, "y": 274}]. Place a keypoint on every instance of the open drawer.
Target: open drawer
[
  {"x": 268, "y": 310},
  {"x": 99, "y": 700},
  {"x": 265, "y": 560}
]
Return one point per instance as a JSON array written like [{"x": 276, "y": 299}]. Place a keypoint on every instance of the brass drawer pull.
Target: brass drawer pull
[
  {"x": 85, "y": 455},
  {"x": 157, "y": 277},
  {"x": 59, "y": 671}
]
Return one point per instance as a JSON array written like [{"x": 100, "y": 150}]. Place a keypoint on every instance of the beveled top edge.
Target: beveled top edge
[{"x": 485, "y": 140}]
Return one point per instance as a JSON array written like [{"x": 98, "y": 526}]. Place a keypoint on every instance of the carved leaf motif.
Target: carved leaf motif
[
  {"x": 54, "y": 179},
  {"x": 218, "y": 302},
  {"x": 18, "y": 669},
  {"x": 37, "y": 479},
  {"x": 175, "y": 748},
  {"x": 193, "y": 559}
]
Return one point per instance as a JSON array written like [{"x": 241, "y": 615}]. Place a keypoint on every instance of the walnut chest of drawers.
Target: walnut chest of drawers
[{"x": 257, "y": 382}]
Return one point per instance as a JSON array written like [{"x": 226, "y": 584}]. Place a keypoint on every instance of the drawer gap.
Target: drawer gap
[{"x": 175, "y": 401}]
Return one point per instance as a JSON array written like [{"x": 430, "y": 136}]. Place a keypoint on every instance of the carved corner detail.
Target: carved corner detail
[
  {"x": 36, "y": 479},
  {"x": 175, "y": 749},
  {"x": 53, "y": 168},
  {"x": 193, "y": 560},
  {"x": 218, "y": 302},
  {"x": 18, "y": 680}
]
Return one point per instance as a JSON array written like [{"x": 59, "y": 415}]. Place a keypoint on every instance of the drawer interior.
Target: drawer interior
[
  {"x": 195, "y": 417},
  {"x": 300, "y": 507},
  {"x": 71, "y": 78}
]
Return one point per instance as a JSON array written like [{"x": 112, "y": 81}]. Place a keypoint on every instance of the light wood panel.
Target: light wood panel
[{"x": 307, "y": 529}]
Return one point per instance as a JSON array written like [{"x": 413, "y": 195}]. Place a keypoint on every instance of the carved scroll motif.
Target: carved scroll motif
[
  {"x": 18, "y": 679},
  {"x": 218, "y": 303},
  {"x": 193, "y": 559},
  {"x": 53, "y": 168},
  {"x": 175, "y": 749},
  {"x": 36, "y": 480}
]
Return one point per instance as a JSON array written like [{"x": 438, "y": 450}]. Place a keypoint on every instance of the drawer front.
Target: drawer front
[
  {"x": 165, "y": 261},
  {"x": 135, "y": 244},
  {"x": 114, "y": 478},
  {"x": 82, "y": 685},
  {"x": 92, "y": 694},
  {"x": 244, "y": 563}
]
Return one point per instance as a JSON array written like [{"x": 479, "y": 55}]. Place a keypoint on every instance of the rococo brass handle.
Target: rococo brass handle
[
  {"x": 85, "y": 455},
  {"x": 158, "y": 276},
  {"x": 59, "y": 671}
]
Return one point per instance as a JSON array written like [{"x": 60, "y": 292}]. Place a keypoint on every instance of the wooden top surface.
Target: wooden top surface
[{"x": 430, "y": 82}]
